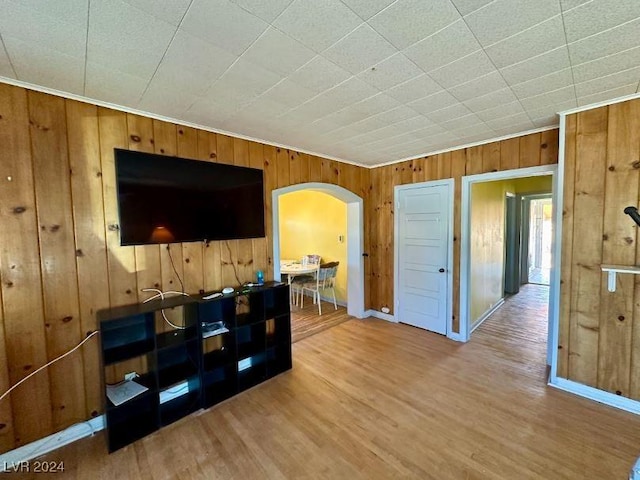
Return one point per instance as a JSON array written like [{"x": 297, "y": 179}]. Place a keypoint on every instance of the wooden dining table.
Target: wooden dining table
[{"x": 293, "y": 269}]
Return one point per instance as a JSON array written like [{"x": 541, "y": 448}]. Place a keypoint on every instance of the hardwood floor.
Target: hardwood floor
[
  {"x": 369, "y": 399},
  {"x": 306, "y": 321}
]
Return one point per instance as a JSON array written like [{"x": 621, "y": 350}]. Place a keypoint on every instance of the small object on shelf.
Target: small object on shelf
[
  {"x": 213, "y": 328},
  {"x": 227, "y": 290},
  {"x": 211, "y": 296},
  {"x": 260, "y": 277},
  {"x": 124, "y": 391}
]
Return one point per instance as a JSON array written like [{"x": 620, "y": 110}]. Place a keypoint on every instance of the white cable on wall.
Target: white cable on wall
[
  {"x": 5, "y": 394},
  {"x": 161, "y": 294}
]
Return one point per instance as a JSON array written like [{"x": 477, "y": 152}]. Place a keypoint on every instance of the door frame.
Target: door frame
[
  {"x": 355, "y": 238},
  {"x": 525, "y": 201},
  {"x": 449, "y": 183},
  {"x": 465, "y": 246}
]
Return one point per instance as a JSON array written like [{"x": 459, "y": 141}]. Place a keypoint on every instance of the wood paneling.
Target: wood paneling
[{"x": 75, "y": 143}]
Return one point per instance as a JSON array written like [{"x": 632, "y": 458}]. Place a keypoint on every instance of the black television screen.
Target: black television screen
[{"x": 165, "y": 199}]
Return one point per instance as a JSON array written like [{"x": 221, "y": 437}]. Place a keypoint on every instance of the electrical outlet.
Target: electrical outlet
[{"x": 130, "y": 376}]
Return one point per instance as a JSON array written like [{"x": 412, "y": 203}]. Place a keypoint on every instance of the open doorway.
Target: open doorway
[
  {"x": 344, "y": 244},
  {"x": 498, "y": 257}
]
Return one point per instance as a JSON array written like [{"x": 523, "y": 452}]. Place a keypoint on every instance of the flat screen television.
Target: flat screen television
[{"x": 164, "y": 199}]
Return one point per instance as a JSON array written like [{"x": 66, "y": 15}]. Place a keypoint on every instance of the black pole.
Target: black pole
[{"x": 633, "y": 213}]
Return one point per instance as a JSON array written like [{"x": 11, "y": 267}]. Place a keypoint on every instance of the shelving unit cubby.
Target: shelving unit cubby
[{"x": 224, "y": 346}]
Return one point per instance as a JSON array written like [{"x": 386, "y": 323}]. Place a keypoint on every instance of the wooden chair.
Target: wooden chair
[{"x": 325, "y": 280}]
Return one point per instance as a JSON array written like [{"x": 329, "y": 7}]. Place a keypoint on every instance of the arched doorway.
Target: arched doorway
[{"x": 355, "y": 238}]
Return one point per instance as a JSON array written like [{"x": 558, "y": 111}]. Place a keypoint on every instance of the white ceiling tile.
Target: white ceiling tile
[
  {"x": 608, "y": 94},
  {"x": 598, "y": 15},
  {"x": 467, "y": 6},
  {"x": 166, "y": 100},
  {"x": 367, "y": 8},
  {"x": 609, "y": 42},
  {"x": 289, "y": 93},
  {"x": 414, "y": 89},
  {"x": 376, "y": 104},
  {"x": 319, "y": 75},
  {"x": 363, "y": 48},
  {"x": 536, "y": 40},
  {"x": 607, "y": 65},
  {"x": 479, "y": 86},
  {"x": 278, "y": 52},
  {"x": 398, "y": 114},
  {"x": 266, "y": 107},
  {"x": 503, "y": 18},
  {"x": 501, "y": 111},
  {"x": 608, "y": 82},
  {"x": 569, "y": 4},
  {"x": 551, "y": 110},
  {"x": 242, "y": 83},
  {"x": 113, "y": 86},
  {"x": 39, "y": 65},
  {"x": 515, "y": 129},
  {"x": 391, "y": 72},
  {"x": 472, "y": 130},
  {"x": 38, "y": 24},
  {"x": 404, "y": 23},
  {"x": 266, "y": 10},
  {"x": 73, "y": 12},
  {"x": 191, "y": 61},
  {"x": 171, "y": 12},
  {"x": 549, "y": 98},
  {"x": 507, "y": 120},
  {"x": 223, "y": 24},
  {"x": 351, "y": 91},
  {"x": 548, "y": 121},
  {"x": 490, "y": 100},
  {"x": 452, "y": 112},
  {"x": 539, "y": 66},
  {"x": 318, "y": 23},
  {"x": 461, "y": 122},
  {"x": 209, "y": 112},
  {"x": 6, "y": 70},
  {"x": 139, "y": 45},
  {"x": 443, "y": 47},
  {"x": 553, "y": 81},
  {"x": 431, "y": 103},
  {"x": 463, "y": 70}
]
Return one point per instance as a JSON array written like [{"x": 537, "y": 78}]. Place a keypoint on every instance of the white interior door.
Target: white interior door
[{"x": 422, "y": 257}]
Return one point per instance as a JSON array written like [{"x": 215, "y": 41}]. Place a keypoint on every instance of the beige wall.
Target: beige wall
[
  {"x": 310, "y": 223},
  {"x": 487, "y": 238}
]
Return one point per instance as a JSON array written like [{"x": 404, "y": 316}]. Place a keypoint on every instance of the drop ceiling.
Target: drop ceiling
[{"x": 366, "y": 81}]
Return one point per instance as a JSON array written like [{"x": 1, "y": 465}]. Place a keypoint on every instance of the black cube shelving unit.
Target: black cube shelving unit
[{"x": 196, "y": 366}]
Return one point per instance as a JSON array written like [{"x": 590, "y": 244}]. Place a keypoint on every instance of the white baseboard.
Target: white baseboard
[
  {"x": 382, "y": 316},
  {"x": 596, "y": 394},
  {"x": 12, "y": 459},
  {"x": 487, "y": 314}
]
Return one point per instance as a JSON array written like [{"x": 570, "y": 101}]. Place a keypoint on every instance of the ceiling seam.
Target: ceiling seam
[
  {"x": 566, "y": 43},
  {"x": 86, "y": 50},
  {"x": 6, "y": 52},
  {"x": 165, "y": 52}
]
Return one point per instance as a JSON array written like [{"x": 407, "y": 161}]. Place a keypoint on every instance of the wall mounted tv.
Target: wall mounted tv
[{"x": 164, "y": 199}]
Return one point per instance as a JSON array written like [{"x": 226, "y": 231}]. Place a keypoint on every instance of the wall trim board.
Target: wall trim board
[
  {"x": 450, "y": 184},
  {"x": 355, "y": 238},
  {"x": 604, "y": 103},
  {"x": 595, "y": 394},
  {"x": 155, "y": 116},
  {"x": 466, "y": 145},
  {"x": 13, "y": 458},
  {"x": 487, "y": 314},
  {"x": 382, "y": 316},
  {"x": 465, "y": 245}
]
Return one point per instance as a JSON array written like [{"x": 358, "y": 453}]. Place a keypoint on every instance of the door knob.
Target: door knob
[{"x": 441, "y": 270}]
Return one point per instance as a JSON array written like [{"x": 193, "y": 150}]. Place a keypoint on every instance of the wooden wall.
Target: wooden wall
[
  {"x": 60, "y": 253},
  {"x": 60, "y": 258},
  {"x": 599, "y": 330},
  {"x": 526, "y": 151}
]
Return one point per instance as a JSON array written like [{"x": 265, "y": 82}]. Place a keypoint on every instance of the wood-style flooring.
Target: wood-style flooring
[
  {"x": 369, "y": 399},
  {"x": 306, "y": 321}
]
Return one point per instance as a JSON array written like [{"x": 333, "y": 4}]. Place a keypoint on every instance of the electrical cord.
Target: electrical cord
[
  {"x": 5, "y": 394},
  {"x": 174, "y": 268},
  {"x": 161, "y": 294}
]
